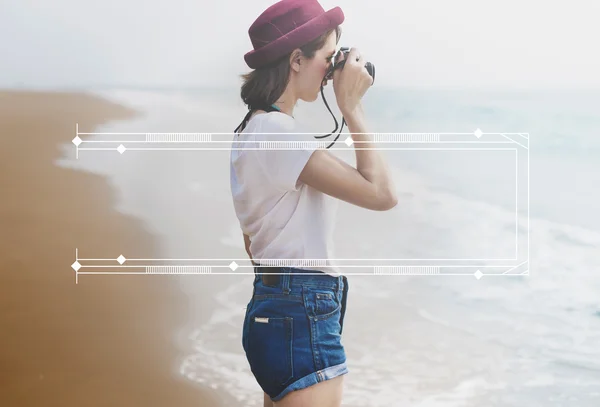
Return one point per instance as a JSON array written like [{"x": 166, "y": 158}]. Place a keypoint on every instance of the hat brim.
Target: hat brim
[{"x": 295, "y": 38}]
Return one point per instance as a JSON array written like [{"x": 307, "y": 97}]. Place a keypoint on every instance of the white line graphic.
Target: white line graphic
[{"x": 477, "y": 267}]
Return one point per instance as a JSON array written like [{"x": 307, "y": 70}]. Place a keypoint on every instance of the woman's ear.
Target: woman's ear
[{"x": 296, "y": 60}]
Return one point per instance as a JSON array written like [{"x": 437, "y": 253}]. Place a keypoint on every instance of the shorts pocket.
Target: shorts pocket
[
  {"x": 321, "y": 303},
  {"x": 269, "y": 351}
]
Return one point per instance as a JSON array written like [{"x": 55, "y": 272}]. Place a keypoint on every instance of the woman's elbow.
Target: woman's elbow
[
  {"x": 393, "y": 202},
  {"x": 389, "y": 202}
]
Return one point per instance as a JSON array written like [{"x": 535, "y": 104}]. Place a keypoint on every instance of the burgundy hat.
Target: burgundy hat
[{"x": 287, "y": 25}]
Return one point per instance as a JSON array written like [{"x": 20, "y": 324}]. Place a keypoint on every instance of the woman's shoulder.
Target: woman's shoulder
[
  {"x": 271, "y": 125},
  {"x": 276, "y": 120}
]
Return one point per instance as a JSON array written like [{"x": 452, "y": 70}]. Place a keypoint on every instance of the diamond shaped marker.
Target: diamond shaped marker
[
  {"x": 76, "y": 140},
  {"x": 233, "y": 266},
  {"x": 478, "y": 133},
  {"x": 121, "y": 149},
  {"x": 121, "y": 259},
  {"x": 478, "y": 274},
  {"x": 349, "y": 141},
  {"x": 76, "y": 266}
]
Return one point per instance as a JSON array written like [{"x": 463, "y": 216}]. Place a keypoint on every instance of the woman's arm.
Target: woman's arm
[{"x": 369, "y": 185}]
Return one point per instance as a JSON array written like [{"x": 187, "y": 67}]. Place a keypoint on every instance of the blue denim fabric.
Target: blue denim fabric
[{"x": 292, "y": 330}]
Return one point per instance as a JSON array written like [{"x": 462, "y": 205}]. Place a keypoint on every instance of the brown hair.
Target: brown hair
[{"x": 263, "y": 86}]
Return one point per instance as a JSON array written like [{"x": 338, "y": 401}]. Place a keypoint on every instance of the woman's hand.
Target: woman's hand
[{"x": 351, "y": 82}]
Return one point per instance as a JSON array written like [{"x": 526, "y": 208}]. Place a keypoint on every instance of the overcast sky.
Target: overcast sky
[{"x": 473, "y": 43}]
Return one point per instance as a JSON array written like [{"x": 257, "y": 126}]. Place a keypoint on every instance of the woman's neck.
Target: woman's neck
[{"x": 286, "y": 102}]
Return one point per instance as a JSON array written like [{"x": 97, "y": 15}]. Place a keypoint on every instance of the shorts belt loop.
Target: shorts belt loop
[
  {"x": 256, "y": 275},
  {"x": 285, "y": 280}
]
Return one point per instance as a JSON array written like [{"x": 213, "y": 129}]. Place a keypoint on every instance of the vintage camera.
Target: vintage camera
[{"x": 340, "y": 65}]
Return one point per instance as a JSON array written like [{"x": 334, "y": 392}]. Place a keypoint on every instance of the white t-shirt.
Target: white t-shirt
[{"x": 284, "y": 218}]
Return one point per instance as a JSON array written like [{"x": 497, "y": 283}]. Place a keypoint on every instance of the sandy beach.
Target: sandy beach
[{"x": 107, "y": 340}]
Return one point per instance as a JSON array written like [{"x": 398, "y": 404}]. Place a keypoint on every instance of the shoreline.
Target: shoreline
[{"x": 107, "y": 340}]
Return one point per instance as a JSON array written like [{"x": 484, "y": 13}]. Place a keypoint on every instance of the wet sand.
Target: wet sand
[{"x": 107, "y": 341}]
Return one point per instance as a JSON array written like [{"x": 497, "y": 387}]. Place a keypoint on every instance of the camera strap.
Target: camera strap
[{"x": 332, "y": 115}]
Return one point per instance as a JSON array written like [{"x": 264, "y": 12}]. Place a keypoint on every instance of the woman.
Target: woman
[{"x": 285, "y": 201}]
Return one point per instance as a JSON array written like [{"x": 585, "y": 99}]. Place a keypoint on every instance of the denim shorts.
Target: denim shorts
[{"x": 292, "y": 329}]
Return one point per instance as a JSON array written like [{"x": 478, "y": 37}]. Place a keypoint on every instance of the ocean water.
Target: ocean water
[{"x": 531, "y": 338}]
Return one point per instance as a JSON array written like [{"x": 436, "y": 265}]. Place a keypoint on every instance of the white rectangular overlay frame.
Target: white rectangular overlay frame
[{"x": 477, "y": 140}]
